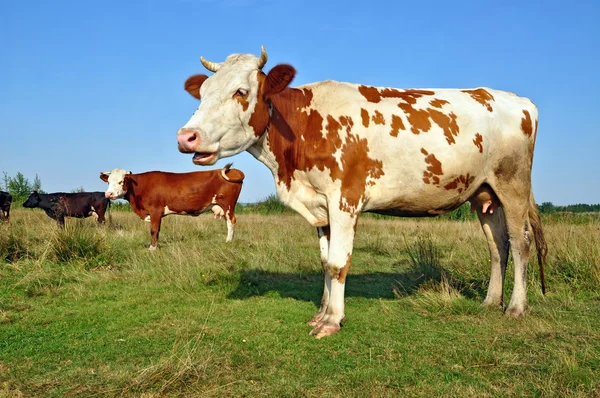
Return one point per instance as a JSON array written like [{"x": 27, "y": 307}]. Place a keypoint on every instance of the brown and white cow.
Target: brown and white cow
[
  {"x": 339, "y": 149},
  {"x": 156, "y": 194}
]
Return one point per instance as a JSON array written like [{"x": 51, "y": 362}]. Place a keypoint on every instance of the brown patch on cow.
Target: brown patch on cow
[
  {"x": 347, "y": 122},
  {"x": 434, "y": 168},
  {"x": 373, "y": 94},
  {"x": 526, "y": 124},
  {"x": 242, "y": 100},
  {"x": 478, "y": 141},
  {"x": 411, "y": 96},
  {"x": 292, "y": 118},
  {"x": 446, "y": 123},
  {"x": 260, "y": 115},
  {"x": 438, "y": 103},
  {"x": 378, "y": 118},
  {"x": 333, "y": 126},
  {"x": 344, "y": 270},
  {"x": 420, "y": 120},
  {"x": 364, "y": 114},
  {"x": 358, "y": 168},
  {"x": 460, "y": 183},
  {"x": 417, "y": 118},
  {"x": 482, "y": 96},
  {"x": 397, "y": 124},
  {"x": 370, "y": 93}
]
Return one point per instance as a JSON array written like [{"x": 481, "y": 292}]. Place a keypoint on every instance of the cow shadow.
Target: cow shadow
[{"x": 374, "y": 285}]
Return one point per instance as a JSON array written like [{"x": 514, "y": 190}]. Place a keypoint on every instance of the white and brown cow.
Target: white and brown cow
[
  {"x": 339, "y": 149},
  {"x": 156, "y": 194}
]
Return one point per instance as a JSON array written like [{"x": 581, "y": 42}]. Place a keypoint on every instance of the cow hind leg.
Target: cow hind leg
[
  {"x": 324, "y": 234},
  {"x": 520, "y": 235},
  {"x": 342, "y": 227},
  {"x": 494, "y": 229}
]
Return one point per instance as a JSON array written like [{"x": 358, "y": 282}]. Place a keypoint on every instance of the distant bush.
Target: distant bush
[
  {"x": 120, "y": 205},
  {"x": 269, "y": 205},
  {"x": 20, "y": 187},
  {"x": 549, "y": 208}
]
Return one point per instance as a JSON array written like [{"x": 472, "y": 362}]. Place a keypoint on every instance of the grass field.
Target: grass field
[{"x": 88, "y": 311}]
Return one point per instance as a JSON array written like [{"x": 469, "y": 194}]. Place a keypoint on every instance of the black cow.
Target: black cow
[
  {"x": 60, "y": 205},
  {"x": 5, "y": 201}
]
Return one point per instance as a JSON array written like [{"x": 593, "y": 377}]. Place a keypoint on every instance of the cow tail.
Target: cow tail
[
  {"x": 540, "y": 240},
  {"x": 234, "y": 174}
]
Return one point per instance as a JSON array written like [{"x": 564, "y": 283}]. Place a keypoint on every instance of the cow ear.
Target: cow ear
[
  {"x": 104, "y": 177},
  {"x": 279, "y": 78},
  {"x": 193, "y": 83}
]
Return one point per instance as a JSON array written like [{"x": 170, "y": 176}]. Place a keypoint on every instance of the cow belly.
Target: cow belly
[
  {"x": 423, "y": 200},
  {"x": 192, "y": 212}
]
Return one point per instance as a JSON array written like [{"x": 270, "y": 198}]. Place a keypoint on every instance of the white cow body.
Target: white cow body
[{"x": 339, "y": 149}]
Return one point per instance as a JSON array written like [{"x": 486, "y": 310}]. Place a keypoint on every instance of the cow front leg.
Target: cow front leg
[
  {"x": 155, "y": 219},
  {"x": 230, "y": 226},
  {"x": 342, "y": 226},
  {"x": 324, "y": 234}
]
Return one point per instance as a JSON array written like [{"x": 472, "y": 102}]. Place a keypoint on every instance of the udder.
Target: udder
[{"x": 485, "y": 199}]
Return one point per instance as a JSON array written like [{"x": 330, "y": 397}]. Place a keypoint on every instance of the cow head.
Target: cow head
[
  {"x": 33, "y": 200},
  {"x": 234, "y": 108},
  {"x": 117, "y": 183}
]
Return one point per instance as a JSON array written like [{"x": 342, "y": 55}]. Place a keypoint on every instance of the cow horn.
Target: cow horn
[
  {"x": 211, "y": 66},
  {"x": 263, "y": 57}
]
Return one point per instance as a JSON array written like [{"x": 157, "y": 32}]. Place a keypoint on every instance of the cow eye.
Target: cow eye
[{"x": 242, "y": 92}]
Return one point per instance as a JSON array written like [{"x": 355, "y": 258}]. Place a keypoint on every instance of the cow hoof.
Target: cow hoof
[
  {"x": 316, "y": 319},
  {"x": 152, "y": 248},
  {"x": 515, "y": 311},
  {"x": 491, "y": 303},
  {"x": 323, "y": 329}
]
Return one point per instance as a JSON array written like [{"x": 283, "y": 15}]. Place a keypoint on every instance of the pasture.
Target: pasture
[{"x": 88, "y": 311}]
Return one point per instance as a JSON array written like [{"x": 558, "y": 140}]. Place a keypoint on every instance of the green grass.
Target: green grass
[{"x": 88, "y": 311}]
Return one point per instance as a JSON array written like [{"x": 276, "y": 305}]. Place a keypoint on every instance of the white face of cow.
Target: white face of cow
[
  {"x": 116, "y": 187},
  {"x": 233, "y": 112}
]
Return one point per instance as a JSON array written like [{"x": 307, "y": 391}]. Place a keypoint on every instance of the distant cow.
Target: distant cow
[
  {"x": 156, "y": 194},
  {"x": 60, "y": 205},
  {"x": 339, "y": 149},
  {"x": 5, "y": 201}
]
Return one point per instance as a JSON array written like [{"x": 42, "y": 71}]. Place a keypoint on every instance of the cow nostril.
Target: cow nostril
[{"x": 192, "y": 138}]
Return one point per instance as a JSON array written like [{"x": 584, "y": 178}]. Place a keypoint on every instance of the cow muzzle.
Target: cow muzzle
[{"x": 188, "y": 140}]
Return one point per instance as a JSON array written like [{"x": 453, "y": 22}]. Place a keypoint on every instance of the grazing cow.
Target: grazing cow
[
  {"x": 338, "y": 149},
  {"x": 156, "y": 194},
  {"x": 60, "y": 205},
  {"x": 5, "y": 201}
]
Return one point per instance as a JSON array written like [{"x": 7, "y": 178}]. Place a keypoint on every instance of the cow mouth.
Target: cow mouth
[{"x": 204, "y": 158}]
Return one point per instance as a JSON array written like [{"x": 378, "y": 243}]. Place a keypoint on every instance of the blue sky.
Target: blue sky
[{"x": 87, "y": 86}]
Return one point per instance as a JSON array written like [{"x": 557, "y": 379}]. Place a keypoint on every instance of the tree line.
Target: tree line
[{"x": 20, "y": 187}]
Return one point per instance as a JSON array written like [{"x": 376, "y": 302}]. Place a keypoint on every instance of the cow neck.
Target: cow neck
[
  {"x": 130, "y": 196},
  {"x": 294, "y": 140}
]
